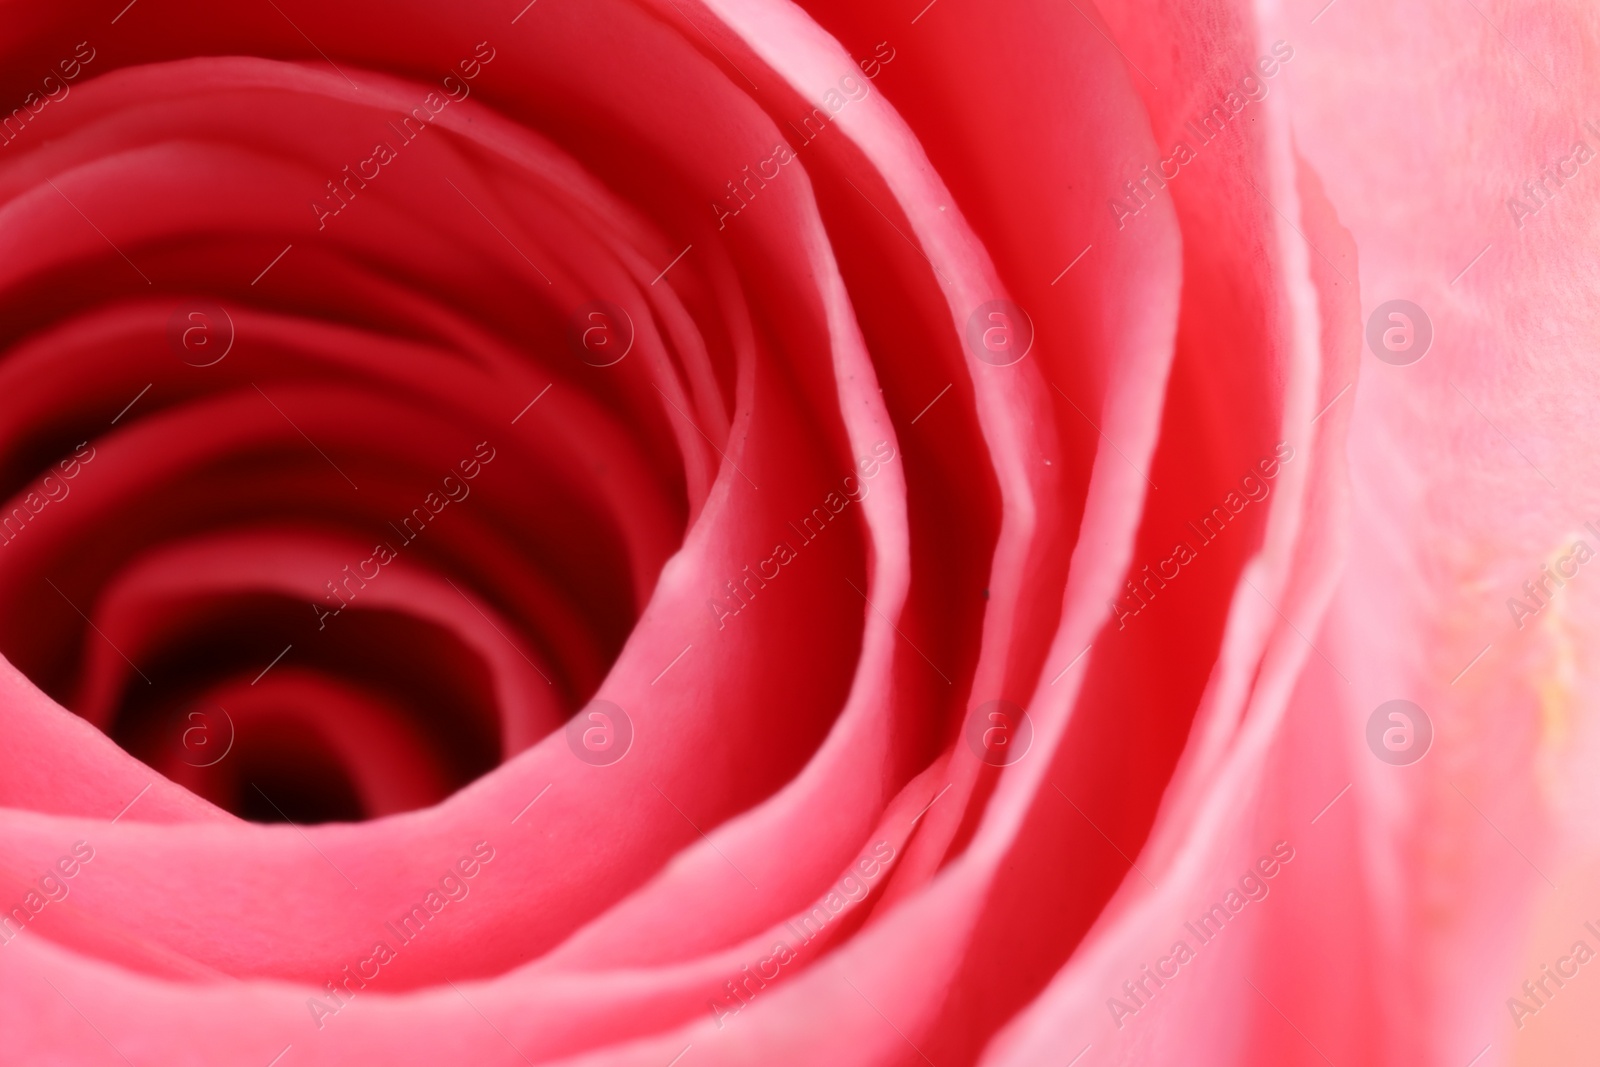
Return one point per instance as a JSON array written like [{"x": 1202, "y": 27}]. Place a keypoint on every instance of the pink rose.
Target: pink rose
[{"x": 678, "y": 531}]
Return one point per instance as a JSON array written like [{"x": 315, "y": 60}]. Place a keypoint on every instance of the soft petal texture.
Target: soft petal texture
[{"x": 499, "y": 538}]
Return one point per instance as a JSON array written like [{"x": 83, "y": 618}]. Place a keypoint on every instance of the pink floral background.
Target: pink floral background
[{"x": 674, "y": 532}]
